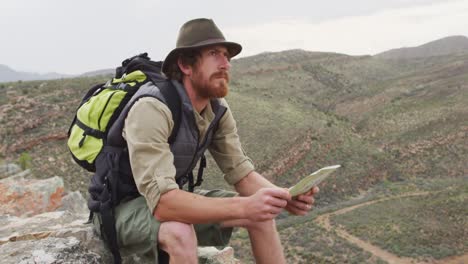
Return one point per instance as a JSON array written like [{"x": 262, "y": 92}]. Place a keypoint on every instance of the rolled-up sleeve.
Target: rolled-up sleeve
[
  {"x": 227, "y": 151},
  {"x": 147, "y": 128}
]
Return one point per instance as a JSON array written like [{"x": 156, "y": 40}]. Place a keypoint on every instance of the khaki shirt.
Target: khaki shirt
[{"x": 148, "y": 126}]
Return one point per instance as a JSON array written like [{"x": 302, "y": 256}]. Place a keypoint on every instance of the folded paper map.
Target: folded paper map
[{"x": 313, "y": 179}]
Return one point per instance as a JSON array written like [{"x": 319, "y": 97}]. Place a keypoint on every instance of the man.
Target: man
[{"x": 176, "y": 221}]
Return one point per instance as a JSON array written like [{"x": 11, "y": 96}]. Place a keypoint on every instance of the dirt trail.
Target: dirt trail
[{"x": 324, "y": 221}]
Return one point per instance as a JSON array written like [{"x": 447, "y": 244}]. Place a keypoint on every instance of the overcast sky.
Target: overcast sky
[{"x": 75, "y": 36}]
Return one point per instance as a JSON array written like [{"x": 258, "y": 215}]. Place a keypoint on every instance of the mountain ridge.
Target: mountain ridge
[
  {"x": 443, "y": 46},
  {"x": 8, "y": 74}
]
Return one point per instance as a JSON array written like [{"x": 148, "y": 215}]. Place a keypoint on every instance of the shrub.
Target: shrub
[{"x": 25, "y": 160}]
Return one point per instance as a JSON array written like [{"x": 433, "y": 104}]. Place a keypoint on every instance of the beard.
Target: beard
[{"x": 216, "y": 86}]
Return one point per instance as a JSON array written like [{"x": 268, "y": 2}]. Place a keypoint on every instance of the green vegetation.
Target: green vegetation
[
  {"x": 430, "y": 225},
  {"x": 24, "y": 161},
  {"x": 309, "y": 243}
]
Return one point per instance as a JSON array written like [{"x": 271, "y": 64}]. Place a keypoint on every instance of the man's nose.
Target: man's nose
[{"x": 225, "y": 63}]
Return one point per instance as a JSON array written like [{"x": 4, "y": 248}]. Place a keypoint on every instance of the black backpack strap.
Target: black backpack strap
[
  {"x": 109, "y": 199},
  {"x": 201, "y": 167},
  {"x": 191, "y": 186},
  {"x": 93, "y": 90},
  {"x": 200, "y": 170},
  {"x": 108, "y": 224},
  {"x": 174, "y": 103}
]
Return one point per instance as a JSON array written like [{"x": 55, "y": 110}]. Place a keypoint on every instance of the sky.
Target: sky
[{"x": 77, "y": 36}]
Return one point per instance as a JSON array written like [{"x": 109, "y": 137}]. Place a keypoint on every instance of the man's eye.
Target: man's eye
[{"x": 213, "y": 53}]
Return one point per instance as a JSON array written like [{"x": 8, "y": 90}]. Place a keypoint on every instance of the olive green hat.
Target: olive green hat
[{"x": 196, "y": 34}]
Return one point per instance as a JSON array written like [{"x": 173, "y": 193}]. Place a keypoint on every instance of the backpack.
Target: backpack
[
  {"x": 88, "y": 134},
  {"x": 104, "y": 102}
]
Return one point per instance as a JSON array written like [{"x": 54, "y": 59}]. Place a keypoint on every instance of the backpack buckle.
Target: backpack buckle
[{"x": 181, "y": 181}]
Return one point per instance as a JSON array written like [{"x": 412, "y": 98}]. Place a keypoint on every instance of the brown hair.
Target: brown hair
[{"x": 188, "y": 57}]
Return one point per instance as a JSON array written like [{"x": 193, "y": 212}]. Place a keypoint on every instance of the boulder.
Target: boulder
[
  {"x": 74, "y": 202},
  {"x": 47, "y": 251},
  {"x": 39, "y": 224},
  {"x": 212, "y": 255},
  {"x": 64, "y": 237},
  {"x": 26, "y": 197}
]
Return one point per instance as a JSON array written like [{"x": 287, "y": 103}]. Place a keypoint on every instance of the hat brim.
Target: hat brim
[{"x": 233, "y": 48}]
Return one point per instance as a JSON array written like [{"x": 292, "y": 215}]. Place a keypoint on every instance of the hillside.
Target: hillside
[
  {"x": 7, "y": 74},
  {"x": 105, "y": 72},
  {"x": 444, "y": 46},
  {"x": 380, "y": 119},
  {"x": 414, "y": 111},
  {"x": 396, "y": 126}
]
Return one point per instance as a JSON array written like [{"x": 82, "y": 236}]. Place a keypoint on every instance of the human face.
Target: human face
[{"x": 210, "y": 76}]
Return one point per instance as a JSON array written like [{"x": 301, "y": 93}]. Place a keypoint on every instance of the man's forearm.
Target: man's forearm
[
  {"x": 251, "y": 183},
  {"x": 182, "y": 206},
  {"x": 260, "y": 205}
]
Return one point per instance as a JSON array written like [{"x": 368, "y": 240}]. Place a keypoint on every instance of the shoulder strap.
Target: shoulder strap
[
  {"x": 171, "y": 98},
  {"x": 88, "y": 94},
  {"x": 173, "y": 102}
]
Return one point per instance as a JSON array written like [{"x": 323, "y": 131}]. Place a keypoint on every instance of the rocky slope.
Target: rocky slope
[{"x": 41, "y": 223}]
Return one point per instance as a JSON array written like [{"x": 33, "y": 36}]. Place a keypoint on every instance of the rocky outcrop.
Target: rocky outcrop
[
  {"x": 41, "y": 223},
  {"x": 25, "y": 197}
]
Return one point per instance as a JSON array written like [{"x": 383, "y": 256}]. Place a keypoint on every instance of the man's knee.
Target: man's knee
[{"x": 177, "y": 238}]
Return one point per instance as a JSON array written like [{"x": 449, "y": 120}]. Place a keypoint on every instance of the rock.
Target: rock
[
  {"x": 63, "y": 237},
  {"x": 52, "y": 237},
  {"x": 211, "y": 255},
  {"x": 38, "y": 224},
  {"x": 47, "y": 251},
  {"x": 20, "y": 175},
  {"x": 7, "y": 170},
  {"x": 74, "y": 202},
  {"x": 21, "y": 197},
  {"x": 58, "y": 224}
]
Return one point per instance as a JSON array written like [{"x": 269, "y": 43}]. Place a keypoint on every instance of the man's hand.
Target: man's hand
[
  {"x": 303, "y": 203},
  {"x": 266, "y": 204}
]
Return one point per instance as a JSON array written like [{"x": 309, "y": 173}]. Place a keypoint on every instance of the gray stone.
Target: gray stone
[
  {"x": 7, "y": 170},
  {"x": 47, "y": 251},
  {"x": 211, "y": 255},
  {"x": 27, "y": 197},
  {"x": 20, "y": 175},
  {"x": 57, "y": 224},
  {"x": 63, "y": 237},
  {"x": 74, "y": 202},
  {"x": 40, "y": 225}
]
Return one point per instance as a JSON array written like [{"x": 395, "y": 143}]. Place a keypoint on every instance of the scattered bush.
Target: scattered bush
[{"x": 25, "y": 161}]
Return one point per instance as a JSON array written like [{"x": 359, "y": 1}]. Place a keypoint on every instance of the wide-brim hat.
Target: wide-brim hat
[{"x": 199, "y": 33}]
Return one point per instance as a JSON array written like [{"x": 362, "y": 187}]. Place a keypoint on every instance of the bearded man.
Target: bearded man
[{"x": 166, "y": 219}]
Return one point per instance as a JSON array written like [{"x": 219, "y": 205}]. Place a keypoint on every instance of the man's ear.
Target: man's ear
[{"x": 186, "y": 69}]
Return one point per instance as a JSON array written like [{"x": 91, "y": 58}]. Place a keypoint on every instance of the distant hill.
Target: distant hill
[
  {"x": 7, "y": 74},
  {"x": 104, "y": 72},
  {"x": 444, "y": 46}
]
